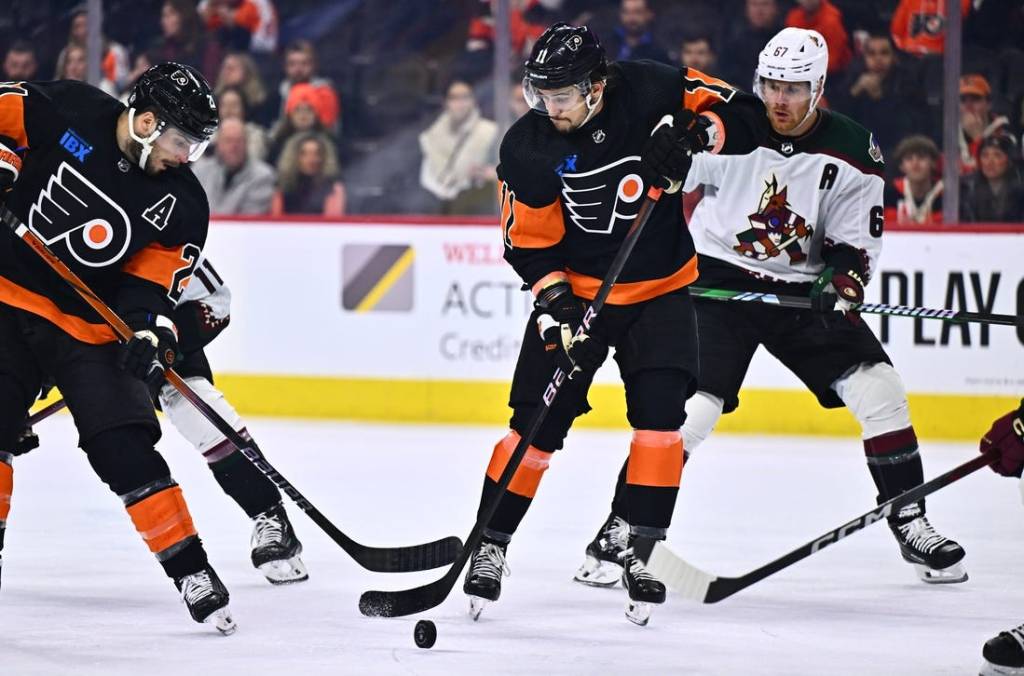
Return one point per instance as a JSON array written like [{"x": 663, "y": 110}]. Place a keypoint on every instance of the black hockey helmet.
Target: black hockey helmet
[
  {"x": 179, "y": 95},
  {"x": 565, "y": 55}
]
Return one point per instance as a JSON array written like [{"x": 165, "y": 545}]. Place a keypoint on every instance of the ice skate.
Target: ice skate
[
  {"x": 1004, "y": 654},
  {"x": 275, "y": 549},
  {"x": 603, "y": 566},
  {"x": 207, "y": 599},
  {"x": 644, "y": 590},
  {"x": 936, "y": 559},
  {"x": 483, "y": 581}
]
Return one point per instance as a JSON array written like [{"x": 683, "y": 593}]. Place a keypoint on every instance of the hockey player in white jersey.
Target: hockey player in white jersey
[
  {"x": 802, "y": 214},
  {"x": 202, "y": 313}
]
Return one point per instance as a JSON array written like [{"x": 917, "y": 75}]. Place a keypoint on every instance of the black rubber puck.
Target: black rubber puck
[{"x": 425, "y": 634}]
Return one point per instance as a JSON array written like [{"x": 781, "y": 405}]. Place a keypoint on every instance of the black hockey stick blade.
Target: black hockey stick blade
[{"x": 697, "y": 585}]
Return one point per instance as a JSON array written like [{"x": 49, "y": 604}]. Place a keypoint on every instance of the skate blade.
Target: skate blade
[
  {"x": 989, "y": 669},
  {"x": 638, "y": 612},
  {"x": 222, "y": 620},
  {"x": 476, "y": 606},
  {"x": 284, "y": 571},
  {"x": 951, "y": 575},
  {"x": 597, "y": 573}
]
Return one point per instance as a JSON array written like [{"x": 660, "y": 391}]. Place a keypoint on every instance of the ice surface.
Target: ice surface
[{"x": 81, "y": 594}]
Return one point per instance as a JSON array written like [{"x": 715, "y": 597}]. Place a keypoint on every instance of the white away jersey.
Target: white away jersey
[{"x": 775, "y": 211}]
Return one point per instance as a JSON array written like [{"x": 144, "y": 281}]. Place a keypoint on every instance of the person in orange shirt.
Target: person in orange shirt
[
  {"x": 824, "y": 17},
  {"x": 255, "y": 19},
  {"x": 919, "y": 26},
  {"x": 977, "y": 122}
]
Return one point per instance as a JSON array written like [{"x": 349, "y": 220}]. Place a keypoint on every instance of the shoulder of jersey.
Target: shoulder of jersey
[
  {"x": 849, "y": 140},
  {"x": 527, "y": 158},
  {"x": 74, "y": 94}
]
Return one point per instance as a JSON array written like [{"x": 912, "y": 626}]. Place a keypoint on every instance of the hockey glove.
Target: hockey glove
[
  {"x": 560, "y": 319},
  {"x": 10, "y": 165},
  {"x": 1007, "y": 437},
  {"x": 667, "y": 155},
  {"x": 840, "y": 291},
  {"x": 26, "y": 441},
  {"x": 151, "y": 351}
]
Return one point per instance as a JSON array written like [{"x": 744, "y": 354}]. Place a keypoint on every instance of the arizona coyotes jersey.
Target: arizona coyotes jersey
[
  {"x": 780, "y": 212},
  {"x": 133, "y": 238},
  {"x": 567, "y": 200}
]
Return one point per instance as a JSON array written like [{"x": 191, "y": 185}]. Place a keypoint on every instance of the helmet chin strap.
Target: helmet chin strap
[
  {"x": 591, "y": 106},
  {"x": 146, "y": 143}
]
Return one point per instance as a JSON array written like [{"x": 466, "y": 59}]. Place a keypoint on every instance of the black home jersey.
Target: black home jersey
[
  {"x": 567, "y": 200},
  {"x": 133, "y": 238}
]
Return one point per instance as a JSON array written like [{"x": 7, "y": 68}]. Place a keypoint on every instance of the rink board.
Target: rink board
[{"x": 420, "y": 321}]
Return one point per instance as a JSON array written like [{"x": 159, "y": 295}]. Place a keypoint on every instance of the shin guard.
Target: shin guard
[
  {"x": 250, "y": 488},
  {"x": 652, "y": 480},
  {"x": 161, "y": 517},
  {"x": 521, "y": 490},
  {"x": 895, "y": 465}
]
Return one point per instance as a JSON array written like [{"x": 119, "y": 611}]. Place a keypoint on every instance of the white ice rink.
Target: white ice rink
[{"x": 81, "y": 594}]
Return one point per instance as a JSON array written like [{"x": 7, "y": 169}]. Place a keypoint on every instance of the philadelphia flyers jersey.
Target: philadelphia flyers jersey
[
  {"x": 133, "y": 238},
  {"x": 567, "y": 200}
]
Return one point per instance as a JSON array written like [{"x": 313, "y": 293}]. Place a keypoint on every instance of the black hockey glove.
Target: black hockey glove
[
  {"x": 841, "y": 291},
  {"x": 151, "y": 351},
  {"x": 10, "y": 165},
  {"x": 26, "y": 441},
  {"x": 561, "y": 317},
  {"x": 667, "y": 155}
]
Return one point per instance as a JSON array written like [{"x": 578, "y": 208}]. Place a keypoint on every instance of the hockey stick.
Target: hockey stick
[
  {"x": 420, "y": 599},
  {"x": 804, "y": 303},
  {"x": 378, "y": 559},
  {"x": 695, "y": 584},
  {"x": 44, "y": 413}
]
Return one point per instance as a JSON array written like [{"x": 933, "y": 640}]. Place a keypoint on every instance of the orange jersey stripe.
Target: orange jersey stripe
[
  {"x": 162, "y": 519},
  {"x": 530, "y": 471},
  {"x": 655, "y": 459},
  {"x": 527, "y": 227},
  {"x": 18, "y": 296},
  {"x": 158, "y": 264},
  {"x": 627, "y": 293},
  {"x": 701, "y": 91},
  {"x": 6, "y": 489},
  {"x": 12, "y": 114}
]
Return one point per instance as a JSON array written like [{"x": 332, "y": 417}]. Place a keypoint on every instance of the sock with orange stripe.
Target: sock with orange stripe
[
  {"x": 161, "y": 517},
  {"x": 652, "y": 480},
  {"x": 521, "y": 490},
  {"x": 6, "y": 489}
]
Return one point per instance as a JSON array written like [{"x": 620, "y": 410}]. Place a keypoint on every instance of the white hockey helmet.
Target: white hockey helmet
[{"x": 794, "y": 55}]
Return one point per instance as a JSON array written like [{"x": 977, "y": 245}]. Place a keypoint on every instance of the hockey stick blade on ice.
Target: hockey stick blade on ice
[
  {"x": 697, "y": 585},
  {"x": 804, "y": 303},
  {"x": 420, "y": 599},
  {"x": 379, "y": 559}
]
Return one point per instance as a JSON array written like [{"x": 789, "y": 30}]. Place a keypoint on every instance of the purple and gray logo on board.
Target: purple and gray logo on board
[{"x": 377, "y": 277}]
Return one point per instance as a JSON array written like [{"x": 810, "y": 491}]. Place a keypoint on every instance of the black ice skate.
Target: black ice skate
[
  {"x": 1004, "y": 654},
  {"x": 644, "y": 590},
  {"x": 275, "y": 549},
  {"x": 483, "y": 581},
  {"x": 603, "y": 566},
  {"x": 207, "y": 599},
  {"x": 936, "y": 558}
]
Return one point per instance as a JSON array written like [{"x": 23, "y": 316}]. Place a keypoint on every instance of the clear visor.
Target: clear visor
[
  {"x": 780, "y": 91},
  {"x": 556, "y": 102},
  {"x": 181, "y": 145}
]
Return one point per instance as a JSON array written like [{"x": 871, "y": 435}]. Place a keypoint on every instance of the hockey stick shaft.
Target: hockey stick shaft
[
  {"x": 697, "y": 585},
  {"x": 400, "y": 559},
  {"x": 804, "y": 303},
  {"x": 420, "y": 599},
  {"x": 44, "y": 413}
]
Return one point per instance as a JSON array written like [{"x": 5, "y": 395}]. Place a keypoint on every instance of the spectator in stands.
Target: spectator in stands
[
  {"x": 242, "y": 24},
  {"x": 231, "y": 105},
  {"x": 742, "y": 41},
  {"x": 113, "y": 64},
  {"x": 460, "y": 154},
  {"x": 632, "y": 39},
  {"x": 517, "y": 102},
  {"x": 308, "y": 178},
  {"x": 182, "y": 39},
  {"x": 20, "y": 62},
  {"x": 476, "y": 59},
  {"x": 308, "y": 108},
  {"x": 919, "y": 26},
  {"x": 239, "y": 70},
  {"x": 698, "y": 53},
  {"x": 300, "y": 68},
  {"x": 72, "y": 64},
  {"x": 994, "y": 193},
  {"x": 234, "y": 182},
  {"x": 976, "y": 119},
  {"x": 915, "y": 197},
  {"x": 824, "y": 17}
]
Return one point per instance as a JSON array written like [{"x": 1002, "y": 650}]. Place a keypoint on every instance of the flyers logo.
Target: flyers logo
[
  {"x": 95, "y": 229},
  {"x": 599, "y": 199}
]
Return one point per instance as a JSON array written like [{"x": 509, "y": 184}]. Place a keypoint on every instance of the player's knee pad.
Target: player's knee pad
[
  {"x": 875, "y": 395},
  {"x": 124, "y": 458},
  {"x": 189, "y": 422},
  {"x": 702, "y": 413},
  {"x": 655, "y": 399}
]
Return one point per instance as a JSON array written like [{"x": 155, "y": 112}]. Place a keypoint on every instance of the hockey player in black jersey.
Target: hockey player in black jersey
[
  {"x": 108, "y": 189},
  {"x": 573, "y": 173},
  {"x": 801, "y": 214}
]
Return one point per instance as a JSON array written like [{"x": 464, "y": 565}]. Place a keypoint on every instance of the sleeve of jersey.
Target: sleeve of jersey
[
  {"x": 853, "y": 237},
  {"x": 155, "y": 278},
  {"x": 13, "y": 131},
  {"x": 739, "y": 122},
  {"x": 532, "y": 228}
]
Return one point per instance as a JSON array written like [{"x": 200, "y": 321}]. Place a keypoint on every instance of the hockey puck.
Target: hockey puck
[{"x": 425, "y": 634}]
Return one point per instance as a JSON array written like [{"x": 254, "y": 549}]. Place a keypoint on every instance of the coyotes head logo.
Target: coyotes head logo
[{"x": 774, "y": 228}]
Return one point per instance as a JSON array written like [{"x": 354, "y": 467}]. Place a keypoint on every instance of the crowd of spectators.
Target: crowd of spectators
[{"x": 404, "y": 121}]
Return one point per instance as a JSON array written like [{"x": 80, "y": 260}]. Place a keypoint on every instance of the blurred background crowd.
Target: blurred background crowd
[{"x": 337, "y": 107}]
